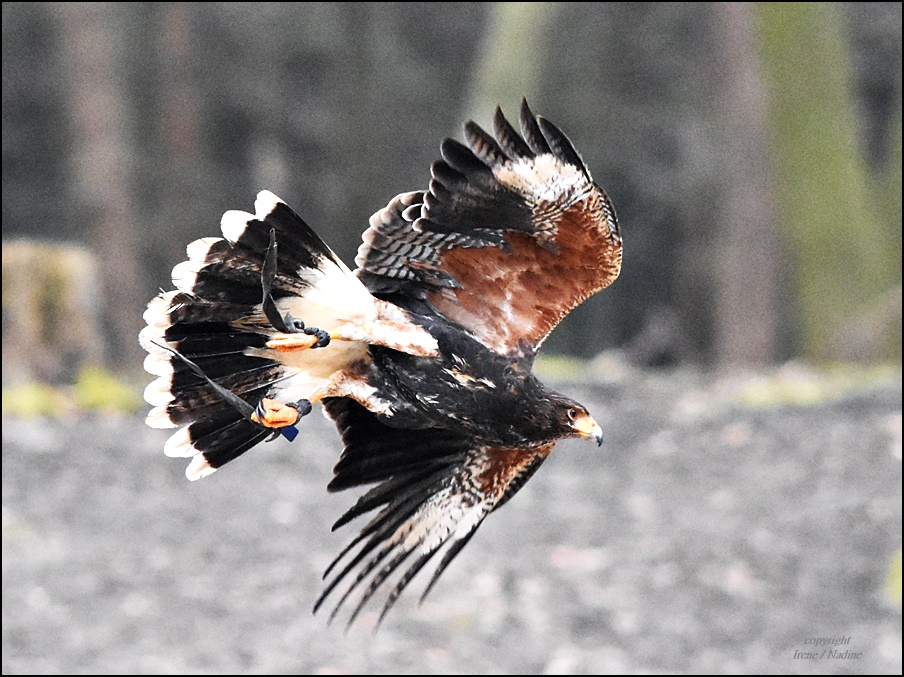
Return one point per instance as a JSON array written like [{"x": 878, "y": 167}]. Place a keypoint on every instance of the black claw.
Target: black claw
[
  {"x": 293, "y": 324},
  {"x": 260, "y": 411},
  {"x": 323, "y": 337}
]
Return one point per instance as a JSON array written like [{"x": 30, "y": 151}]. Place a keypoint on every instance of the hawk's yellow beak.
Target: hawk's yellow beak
[{"x": 588, "y": 428}]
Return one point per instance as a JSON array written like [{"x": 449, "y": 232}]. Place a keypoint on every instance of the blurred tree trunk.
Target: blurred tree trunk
[
  {"x": 178, "y": 175},
  {"x": 840, "y": 257},
  {"x": 890, "y": 185},
  {"x": 511, "y": 59},
  {"x": 267, "y": 152},
  {"x": 95, "y": 45},
  {"x": 747, "y": 268},
  {"x": 874, "y": 32},
  {"x": 35, "y": 142}
]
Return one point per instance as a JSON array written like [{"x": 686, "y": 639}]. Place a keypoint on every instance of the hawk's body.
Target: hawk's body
[{"x": 428, "y": 373}]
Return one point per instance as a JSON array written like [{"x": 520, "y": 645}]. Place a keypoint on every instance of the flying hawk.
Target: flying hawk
[{"x": 422, "y": 356}]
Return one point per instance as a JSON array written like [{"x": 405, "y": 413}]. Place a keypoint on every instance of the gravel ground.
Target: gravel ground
[{"x": 704, "y": 536}]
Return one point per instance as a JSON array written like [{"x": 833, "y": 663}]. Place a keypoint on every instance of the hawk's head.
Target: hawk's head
[{"x": 566, "y": 418}]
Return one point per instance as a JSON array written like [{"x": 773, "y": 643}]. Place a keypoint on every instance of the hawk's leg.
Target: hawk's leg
[
  {"x": 310, "y": 337},
  {"x": 293, "y": 335}
]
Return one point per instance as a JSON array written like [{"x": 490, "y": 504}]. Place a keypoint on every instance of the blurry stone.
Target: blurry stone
[{"x": 50, "y": 311}]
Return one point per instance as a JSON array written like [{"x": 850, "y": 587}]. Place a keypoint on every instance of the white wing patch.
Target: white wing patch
[{"x": 544, "y": 178}]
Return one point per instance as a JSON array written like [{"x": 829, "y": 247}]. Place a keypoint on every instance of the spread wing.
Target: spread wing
[
  {"x": 433, "y": 489},
  {"x": 512, "y": 235}
]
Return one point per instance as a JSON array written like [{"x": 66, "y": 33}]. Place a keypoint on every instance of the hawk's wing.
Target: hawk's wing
[
  {"x": 433, "y": 490},
  {"x": 512, "y": 234}
]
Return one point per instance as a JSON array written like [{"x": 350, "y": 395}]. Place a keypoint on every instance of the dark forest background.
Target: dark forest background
[{"x": 752, "y": 151}]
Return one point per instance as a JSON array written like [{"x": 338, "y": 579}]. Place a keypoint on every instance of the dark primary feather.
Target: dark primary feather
[
  {"x": 531, "y": 130},
  {"x": 560, "y": 145},
  {"x": 484, "y": 146},
  {"x": 512, "y": 143}
]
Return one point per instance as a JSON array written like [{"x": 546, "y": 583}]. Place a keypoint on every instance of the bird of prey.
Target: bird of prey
[{"x": 422, "y": 356}]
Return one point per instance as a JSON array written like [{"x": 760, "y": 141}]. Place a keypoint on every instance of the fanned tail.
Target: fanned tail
[{"x": 215, "y": 318}]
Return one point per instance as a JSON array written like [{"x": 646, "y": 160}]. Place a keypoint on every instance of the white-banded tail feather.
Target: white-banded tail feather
[{"x": 215, "y": 318}]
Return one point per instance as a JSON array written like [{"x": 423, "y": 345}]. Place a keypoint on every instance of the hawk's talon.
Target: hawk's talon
[
  {"x": 272, "y": 414},
  {"x": 323, "y": 337}
]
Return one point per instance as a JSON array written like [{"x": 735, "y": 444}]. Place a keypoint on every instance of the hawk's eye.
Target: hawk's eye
[{"x": 572, "y": 414}]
